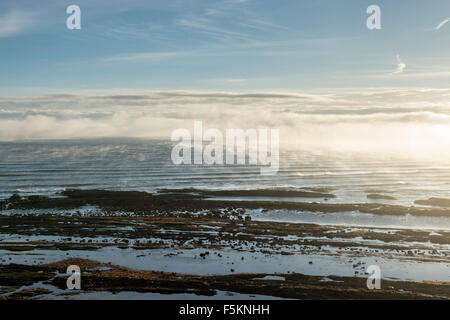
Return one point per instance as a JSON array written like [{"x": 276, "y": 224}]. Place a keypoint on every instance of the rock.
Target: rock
[
  {"x": 380, "y": 197},
  {"x": 36, "y": 198},
  {"x": 438, "y": 202},
  {"x": 15, "y": 197}
]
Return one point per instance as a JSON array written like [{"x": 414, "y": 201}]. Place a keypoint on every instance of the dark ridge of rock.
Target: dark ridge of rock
[
  {"x": 319, "y": 189},
  {"x": 15, "y": 197},
  {"x": 27, "y": 294},
  {"x": 15, "y": 275},
  {"x": 377, "y": 191},
  {"x": 437, "y": 202},
  {"x": 293, "y": 285},
  {"x": 36, "y": 198},
  {"x": 380, "y": 196},
  {"x": 312, "y": 193},
  {"x": 180, "y": 228},
  {"x": 146, "y": 203}
]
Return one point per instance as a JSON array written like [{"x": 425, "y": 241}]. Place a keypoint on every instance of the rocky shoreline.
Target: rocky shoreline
[{"x": 188, "y": 225}]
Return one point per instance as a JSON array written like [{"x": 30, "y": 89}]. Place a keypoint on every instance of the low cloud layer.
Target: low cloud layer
[{"x": 413, "y": 120}]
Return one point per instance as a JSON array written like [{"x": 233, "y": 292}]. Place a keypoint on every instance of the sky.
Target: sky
[
  {"x": 311, "y": 69},
  {"x": 224, "y": 45}
]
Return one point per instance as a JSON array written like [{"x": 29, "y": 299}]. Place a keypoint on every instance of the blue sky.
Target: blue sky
[{"x": 234, "y": 45}]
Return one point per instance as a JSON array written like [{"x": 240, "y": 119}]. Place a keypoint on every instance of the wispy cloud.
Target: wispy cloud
[
  {"x": 210, "y": 28},
  {"x": 15, "y": 22},
  {"x": 149, "y": 56},
  {"x": 237, "y": 80},
  {"x": 443, "y": 23},
  {"x": 400, "y": 66}
]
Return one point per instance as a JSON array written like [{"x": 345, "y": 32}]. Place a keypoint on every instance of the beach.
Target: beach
[{"x": 190, "y": 244}]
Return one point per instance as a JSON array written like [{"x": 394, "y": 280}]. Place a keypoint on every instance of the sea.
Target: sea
[{"x": 48, "y": 167}]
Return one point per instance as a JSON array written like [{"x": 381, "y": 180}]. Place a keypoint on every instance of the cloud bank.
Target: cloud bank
[{"x": 417, "y": 120}]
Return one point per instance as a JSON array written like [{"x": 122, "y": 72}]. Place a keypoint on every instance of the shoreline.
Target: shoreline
[
  {"x": 196, "y": 199},
  {"x": 177, "y": 232}
]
